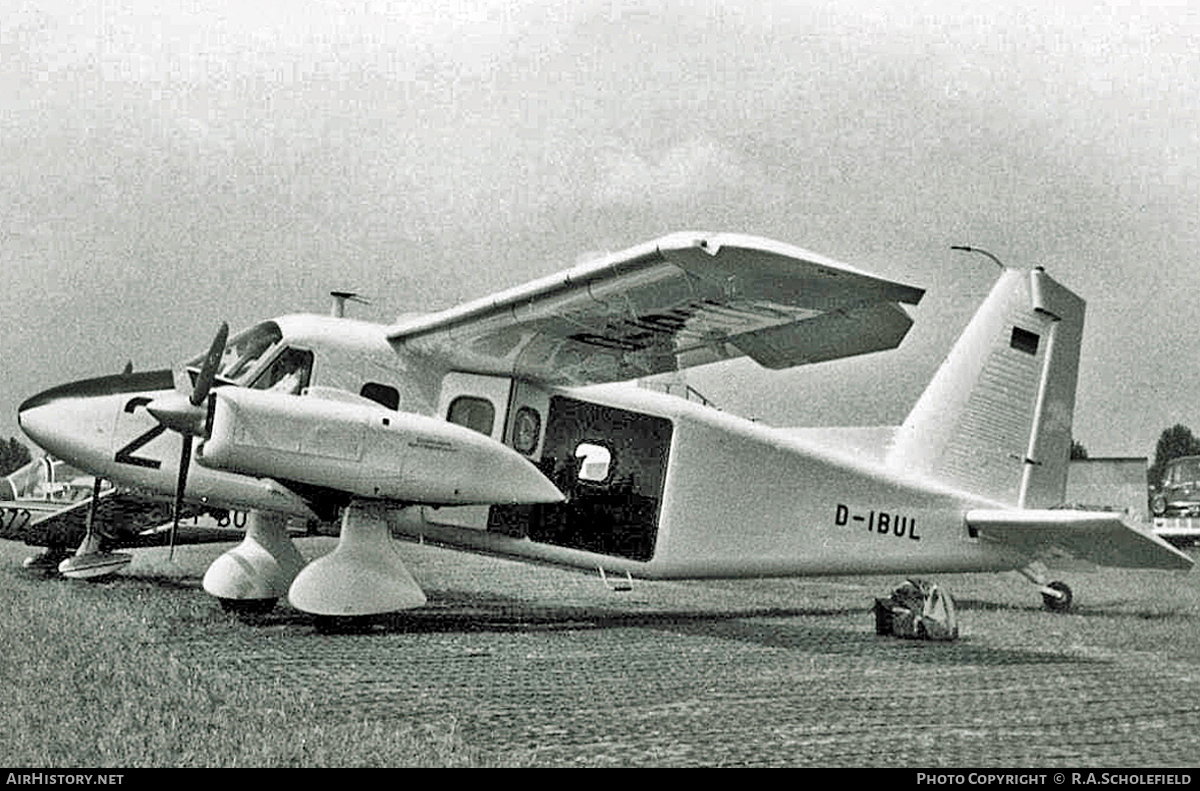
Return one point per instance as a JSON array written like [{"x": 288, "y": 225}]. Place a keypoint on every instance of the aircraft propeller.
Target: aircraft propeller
[{"x": 188, "y": 417}]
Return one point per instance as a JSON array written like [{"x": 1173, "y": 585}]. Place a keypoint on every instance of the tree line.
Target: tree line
[
  {"x": 1174, "y": 442},
  {"x": 13, "y": 456}
]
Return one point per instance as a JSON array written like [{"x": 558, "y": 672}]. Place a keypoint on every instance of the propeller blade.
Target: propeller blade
[
  {"x": 208, "y": 371},
  {"x": 185, "y": 461},
  {"x": 184, "y": 417}
]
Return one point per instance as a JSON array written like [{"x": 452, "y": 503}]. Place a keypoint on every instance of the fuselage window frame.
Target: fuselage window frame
[
  {"x": 468, "y": 411},
  {"x": 527, "y": 430},
  {"x": 384, "y": 395}
]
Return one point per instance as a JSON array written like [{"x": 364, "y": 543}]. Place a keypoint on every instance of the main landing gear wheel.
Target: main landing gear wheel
[
  {"x": 1061, "y": 602},
  {"x": 248, "y": 607},
  {"x": 363, "y": 576},
  {"x": 345, "y": 624},
  {"x": 250, "y": 578}
]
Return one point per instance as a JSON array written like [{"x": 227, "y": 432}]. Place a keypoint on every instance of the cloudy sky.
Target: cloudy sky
[{"x": 168, "y": 165}]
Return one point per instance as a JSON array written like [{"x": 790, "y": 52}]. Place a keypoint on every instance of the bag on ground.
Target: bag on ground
[{"x": 918, "y": 609}]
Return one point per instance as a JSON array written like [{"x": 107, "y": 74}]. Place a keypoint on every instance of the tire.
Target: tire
[
  {"x": 1158, "y": 505},
  {"x": 1054, "y": 603},
  {"x": 243, "y": 608}
]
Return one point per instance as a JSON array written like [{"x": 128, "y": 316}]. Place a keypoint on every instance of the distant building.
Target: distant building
[{"x": 1112, "y": 484}]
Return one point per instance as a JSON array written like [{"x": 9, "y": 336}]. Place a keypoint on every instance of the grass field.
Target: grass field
[
  {"x": 511, "y": 664},
  {"x": 96, "y": 675}
]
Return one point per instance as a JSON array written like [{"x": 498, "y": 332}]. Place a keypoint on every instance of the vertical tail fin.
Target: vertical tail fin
[{"x": 996, "y": 418}]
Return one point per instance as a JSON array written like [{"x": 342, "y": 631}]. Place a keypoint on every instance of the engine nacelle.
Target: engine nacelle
[{"x": 366, "y": 450}]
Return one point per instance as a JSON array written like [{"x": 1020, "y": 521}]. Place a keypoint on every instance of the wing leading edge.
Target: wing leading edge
[
  {"x": 683, "y": 300},
  {"x": 1095, "y": 536}
]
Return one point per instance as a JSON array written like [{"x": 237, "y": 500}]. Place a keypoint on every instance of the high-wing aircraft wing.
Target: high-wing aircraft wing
[
  {"x": 1102, "y": 538},
  {"x": 683, "y": 300}
]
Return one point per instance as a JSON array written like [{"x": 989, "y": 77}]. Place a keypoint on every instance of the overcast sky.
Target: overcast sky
[{"x": 166, "y": 165}]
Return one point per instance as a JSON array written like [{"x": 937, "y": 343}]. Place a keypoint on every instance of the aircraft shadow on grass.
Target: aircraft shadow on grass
[
  {"x": 791, "y": 628},
  {"x": 1149, "y": 611},
  {"x": 794, "y": 629}
]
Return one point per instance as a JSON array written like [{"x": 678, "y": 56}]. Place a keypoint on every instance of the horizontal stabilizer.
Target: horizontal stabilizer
[{"x": 1099, "y": 537}]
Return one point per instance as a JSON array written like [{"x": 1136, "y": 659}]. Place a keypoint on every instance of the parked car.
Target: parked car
[{"x": 1178, "y": 493}]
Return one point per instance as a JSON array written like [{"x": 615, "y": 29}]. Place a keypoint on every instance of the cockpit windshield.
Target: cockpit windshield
[{"x": 243, "y": 352}]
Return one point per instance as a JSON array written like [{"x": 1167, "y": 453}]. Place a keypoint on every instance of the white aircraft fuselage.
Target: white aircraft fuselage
[
  {"x": 315, "y": 415},
  {"x": 716, "y": 495}
]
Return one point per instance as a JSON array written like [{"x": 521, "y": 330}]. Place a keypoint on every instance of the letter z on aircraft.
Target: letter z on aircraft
[{"x": 477, "y": 427}]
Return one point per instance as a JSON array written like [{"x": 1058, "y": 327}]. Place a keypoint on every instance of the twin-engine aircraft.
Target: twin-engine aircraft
[{"x": 478, "y": 427}]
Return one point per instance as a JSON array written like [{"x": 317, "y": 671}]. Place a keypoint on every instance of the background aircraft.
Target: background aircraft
[
  {"x": 480, "y": 427},
  {"x": 80, "y": 519}
]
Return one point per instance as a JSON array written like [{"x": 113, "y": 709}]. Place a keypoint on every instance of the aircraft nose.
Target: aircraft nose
[
  {"x": 50, "y": 423},
  {"x": 60, "y": 422},
  {"x": 73, "y": 420},
  {"x": 32, "y": 421}
]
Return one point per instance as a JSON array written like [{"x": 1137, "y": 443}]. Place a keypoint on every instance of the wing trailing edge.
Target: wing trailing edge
[{"x": 1099, "y": 537}]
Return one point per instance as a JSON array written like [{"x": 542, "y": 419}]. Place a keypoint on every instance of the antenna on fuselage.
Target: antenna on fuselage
[{"x": 340, "y": 298}]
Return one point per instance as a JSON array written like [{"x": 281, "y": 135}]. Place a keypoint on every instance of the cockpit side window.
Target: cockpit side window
[{"x": 289, "y": 373}]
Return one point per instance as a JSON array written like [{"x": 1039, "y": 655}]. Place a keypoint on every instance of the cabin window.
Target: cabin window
[
  {"x": 288, "y": 373},
  {"x": 385, "y": 395},
  {"x": 527, "y": 430},
  {"x": 474, "y": 413}
]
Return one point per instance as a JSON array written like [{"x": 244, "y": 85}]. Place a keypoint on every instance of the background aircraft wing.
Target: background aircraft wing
[
  {"x": 128, "y": 520},
  {"x": 1099, "y": 537},
  {"x": 683, "y": 300}
]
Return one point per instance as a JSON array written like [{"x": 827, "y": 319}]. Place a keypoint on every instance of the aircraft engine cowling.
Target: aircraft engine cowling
[{"x": 365, "y": 450}]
